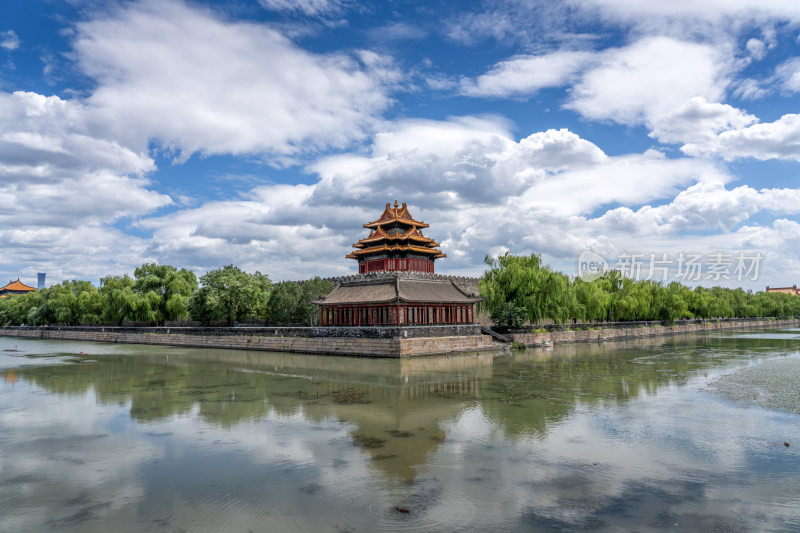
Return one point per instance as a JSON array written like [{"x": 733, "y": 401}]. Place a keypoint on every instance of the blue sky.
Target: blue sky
[{"x": 263, "y": 133}]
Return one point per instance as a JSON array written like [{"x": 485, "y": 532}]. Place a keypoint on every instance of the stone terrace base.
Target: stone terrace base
[{"x": 370, "y": 345}]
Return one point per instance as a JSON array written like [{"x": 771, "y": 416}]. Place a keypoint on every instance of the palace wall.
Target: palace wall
[
  {"x": 369, "y": 342},
  {"x": 366, "y": 342},
  {"x": 601, "y": 334}
]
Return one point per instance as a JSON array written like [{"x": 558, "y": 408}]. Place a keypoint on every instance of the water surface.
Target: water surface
[{"x": 683, "y": 433}]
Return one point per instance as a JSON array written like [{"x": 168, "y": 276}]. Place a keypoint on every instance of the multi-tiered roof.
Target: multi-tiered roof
[
  {"x": 396, "y": 236},
  {"x": 15, "y": 287},
  {"x": 396, "y": 285}
]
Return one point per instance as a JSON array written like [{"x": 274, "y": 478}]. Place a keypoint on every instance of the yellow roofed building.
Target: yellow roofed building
[{"x": 15, "y": 287}]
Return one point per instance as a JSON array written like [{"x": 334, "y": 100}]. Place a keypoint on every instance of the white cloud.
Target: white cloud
[
  {"x": 398, "y": 31},
  {"x": 663, "y": 83},
  {"x": 702, "y": 207},
  {"x": 62, "y": 182},
  {"x": 788, "y": 75},
  {"x": 709, "y": 10},
  {"x": 651, "y": 77},
  {"x": 472, "y": 27},
  {"x": 9, "y": 40},
  {"x": 478, "y": 187},
  {"x": 308, "y": 7},
  {"x": 57, "y": 171},
  {"x": 698, "y": 121},
  {"x": 749, "y": 89},
  {"x": 756, "y": 48},
  {"x": 468, "y": 178},
  {"x": 772, "y": 140},
  {"x": 196, "y": 83},
  {"x": 524, "y": 75}
]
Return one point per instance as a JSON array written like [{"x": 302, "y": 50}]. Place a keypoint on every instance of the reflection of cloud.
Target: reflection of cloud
[
  {"x": 65, "y": 453},
  {"x": 610, "y": 432}
]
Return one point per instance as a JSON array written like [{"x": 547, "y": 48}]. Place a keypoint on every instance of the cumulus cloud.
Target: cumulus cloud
[
  {"x": 9, "y": 40},
  {"x": 709, "y": 10},
  {"x": 669, "y": 85},
  {"x": 701, "y": 207},
  {"x": 770, "y": 140},
  {"x": 524, "y": 75},
  {"x": 57, "y": 171},
  {"x": 62, "y": 182},
  {"x": 194, "y": 82},
  {"x": 274, "y": 230},
  {"x": 652, "y": 76},
  {"x": 698, "y": 121},
  {"x": 481, "y": 191}
]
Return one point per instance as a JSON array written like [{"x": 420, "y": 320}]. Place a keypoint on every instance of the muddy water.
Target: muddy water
[{"x": 682, "y": 433}]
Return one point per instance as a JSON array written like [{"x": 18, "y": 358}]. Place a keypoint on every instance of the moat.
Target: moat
[{"x": 685, "y": 433}]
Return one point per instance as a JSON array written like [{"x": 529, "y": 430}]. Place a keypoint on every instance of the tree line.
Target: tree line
[
  {"x": 157, "y": 294},
  {"x": 520, "y": 289},
  {"x": 516, "y": 290}
]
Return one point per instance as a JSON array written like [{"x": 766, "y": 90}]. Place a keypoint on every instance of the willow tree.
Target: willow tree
[
  {"x": 121, "y": 302},
  {"x": 526, "y": 283},
  {"x": 593, "y": 299},
  {"x": 75, "y": 302},
  {"x": 170, "y": 287},
  {"x": 29, "y": 309}
]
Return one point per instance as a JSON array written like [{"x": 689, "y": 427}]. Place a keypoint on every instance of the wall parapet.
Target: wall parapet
[{"x": 361, "y": 332}]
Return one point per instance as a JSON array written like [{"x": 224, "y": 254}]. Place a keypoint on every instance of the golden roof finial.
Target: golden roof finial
[{"x": 396, "y": 205}]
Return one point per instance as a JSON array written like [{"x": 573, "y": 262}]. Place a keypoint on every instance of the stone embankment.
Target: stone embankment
[
  {"x": 342, "y": 341},
  {"x": 367, "y": 342},
  {"x": 609, "y": 333}
]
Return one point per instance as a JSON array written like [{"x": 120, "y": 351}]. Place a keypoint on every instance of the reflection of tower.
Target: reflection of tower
[{"x": 41, "y": 276}]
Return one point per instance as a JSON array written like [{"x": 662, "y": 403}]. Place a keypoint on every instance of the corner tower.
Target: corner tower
[{"x": 396, "y": 244}]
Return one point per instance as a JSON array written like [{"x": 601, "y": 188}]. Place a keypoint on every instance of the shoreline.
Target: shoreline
[
  {"x": 365, "y": 342},
  {"x": 603, "y": 334},
  {"x": 358, "y": 342}
]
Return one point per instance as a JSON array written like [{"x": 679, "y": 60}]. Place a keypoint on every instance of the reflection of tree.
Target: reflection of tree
[
  {"x": 535, "y": 389},
  {"x": 397, "y": 408}
]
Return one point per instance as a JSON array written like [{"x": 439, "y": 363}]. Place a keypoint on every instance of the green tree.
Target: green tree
[
  {"x": 593, "y": 298},
  {"x": 312, "y": 289},
  {"x": 75, "y": 302},
  {"x": 119, "y": 301},
  {"x": 284, "y": 304},
  {"x": 528, "y": 284},
  {"x": 229, "y": 293},
  {"x": 509, "y": 315},
  {"x": 172, "y": 287}
]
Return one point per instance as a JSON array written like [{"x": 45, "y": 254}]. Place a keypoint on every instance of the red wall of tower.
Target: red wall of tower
[{"x": 396, "y": 265}]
